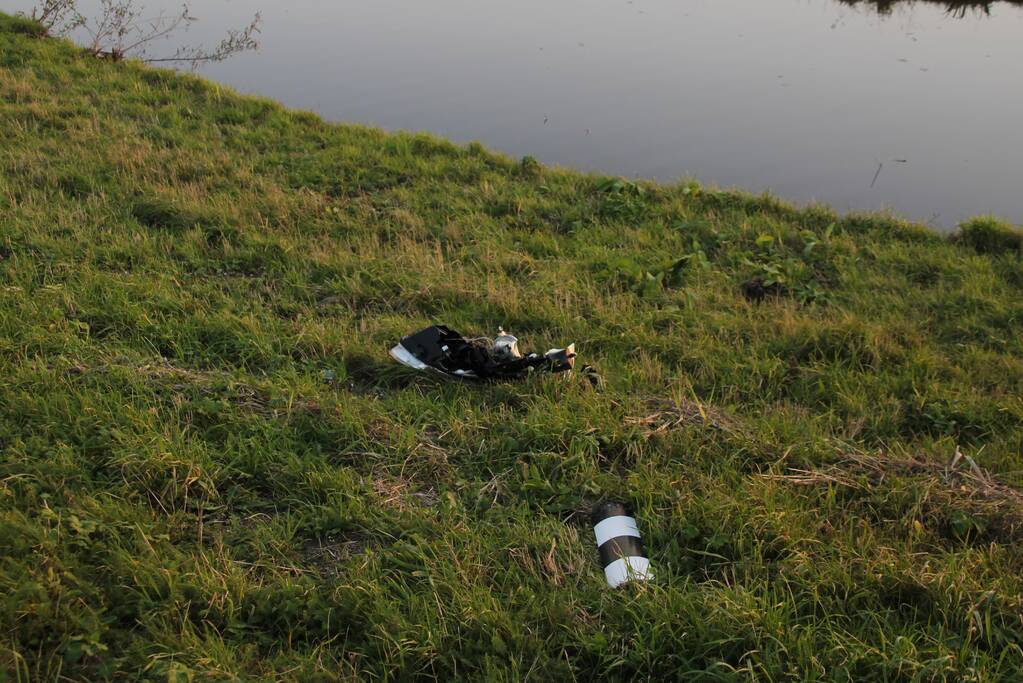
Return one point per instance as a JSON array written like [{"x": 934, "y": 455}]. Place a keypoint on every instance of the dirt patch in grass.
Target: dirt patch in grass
[{"x": 334, "y": 555}]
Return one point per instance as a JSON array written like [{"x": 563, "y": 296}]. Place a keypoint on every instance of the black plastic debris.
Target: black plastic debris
[
  {"x": 756, "y": 290},
  {"x": 595, "y": 379},
  {"x": 618, "y": 540},
  {"x": 443, "y": 350}
]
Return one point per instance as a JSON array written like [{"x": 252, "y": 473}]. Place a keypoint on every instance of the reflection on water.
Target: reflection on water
[
  {"x": 955, "y": 8},
  {"x": 859, "y": 104}
]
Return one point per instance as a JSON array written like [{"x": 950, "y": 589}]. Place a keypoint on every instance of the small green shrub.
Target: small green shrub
[
  {"x": 987, "y": 235},
  {"x": 647, "y": 281},
  {"x": 801, "y": 270},
  {"x": 529, "y": 167},
  {"x": 21, "y": 26},
  {"x": 622, "y": 200}
]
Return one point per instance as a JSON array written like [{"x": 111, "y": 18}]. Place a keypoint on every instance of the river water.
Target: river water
[{"x": 917, "y": 109}]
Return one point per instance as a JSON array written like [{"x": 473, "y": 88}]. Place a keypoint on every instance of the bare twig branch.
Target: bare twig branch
[
  {"x": 237, "y": 40},
  {"x": 58, "y": 17},
  {"x": 119, "y": 30}
]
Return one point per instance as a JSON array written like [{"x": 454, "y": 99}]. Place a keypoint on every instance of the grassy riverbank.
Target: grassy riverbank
[{"x": 210, "y": 468}]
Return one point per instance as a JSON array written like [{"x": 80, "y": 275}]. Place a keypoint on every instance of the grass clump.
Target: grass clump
[
  {"x": 165, "y": 215},
  {"x": 211, "y": 470},
  {"x": 990, "y": 236}
]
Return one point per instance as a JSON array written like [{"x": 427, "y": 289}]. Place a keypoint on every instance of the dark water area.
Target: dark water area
[{"x": 914, "y": 106}]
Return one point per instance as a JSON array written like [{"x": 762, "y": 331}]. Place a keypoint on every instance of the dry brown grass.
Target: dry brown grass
[
  {"x": 667, "y": 415},
  {"x": 555, "y": 565},
  {"x": 958, "y": 484},
  {"x": 399, "y": 493}
]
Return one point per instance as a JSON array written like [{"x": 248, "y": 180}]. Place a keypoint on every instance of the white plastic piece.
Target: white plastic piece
[
  {"x": 568, "y": 350},
  {"x": 506, "y": 347},
  {"x": 612, "y": 527},
  {"x": 628, "y": 569},
  {"x": 403, "y": 356}
]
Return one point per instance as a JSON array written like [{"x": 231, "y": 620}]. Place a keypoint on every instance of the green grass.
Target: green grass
[{"x": 182, "y": 495}]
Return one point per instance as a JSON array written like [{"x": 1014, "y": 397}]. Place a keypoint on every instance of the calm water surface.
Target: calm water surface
[{"x": 804, "y": 98}]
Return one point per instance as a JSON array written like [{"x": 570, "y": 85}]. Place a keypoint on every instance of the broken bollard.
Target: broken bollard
[{"x": 618, "y": 540}]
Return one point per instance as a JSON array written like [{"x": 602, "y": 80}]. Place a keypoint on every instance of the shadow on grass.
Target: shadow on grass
[{"x": 370, "y": 375}]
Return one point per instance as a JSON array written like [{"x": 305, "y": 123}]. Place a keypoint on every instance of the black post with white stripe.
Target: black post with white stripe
[{"x": 621, "y": 549}]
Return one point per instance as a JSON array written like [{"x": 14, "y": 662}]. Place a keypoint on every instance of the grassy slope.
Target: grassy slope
[{"x": 182, "y": 492}]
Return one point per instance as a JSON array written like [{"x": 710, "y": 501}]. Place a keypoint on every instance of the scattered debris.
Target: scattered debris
[
  {"x": 618, "y": 540},
  {"x": 757, "y": 289},
  {"x": 443, "y": 350}
]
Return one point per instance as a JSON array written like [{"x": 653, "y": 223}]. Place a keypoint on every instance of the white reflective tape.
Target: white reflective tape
[
  {"x": 613, "y": 527},
  {"x": 403, "y": 356},
  {"x": 628, "y": 569}
]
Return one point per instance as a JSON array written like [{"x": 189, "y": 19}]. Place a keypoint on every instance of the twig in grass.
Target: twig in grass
[{"x": 813, "y": 477}]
